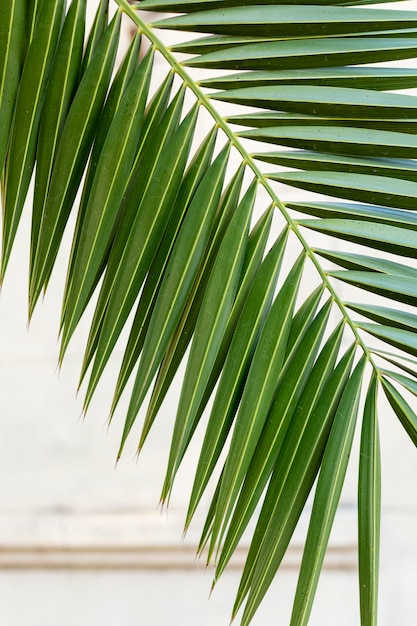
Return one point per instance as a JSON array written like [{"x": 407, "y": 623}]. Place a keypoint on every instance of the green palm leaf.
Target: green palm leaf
[
  {"x": 12, "y": 49},
  {"x": 369, "y": 508},
  {"x": 62, "y": 85},
  {"x": 26, "y": 119},
  {"x": 194, "y": 239},
  {"x": 328, "y": 490},
  {"x": 236, "y": 365},
  {"x": 300, "y": 384},
  {"x": 147, "y": 302}
]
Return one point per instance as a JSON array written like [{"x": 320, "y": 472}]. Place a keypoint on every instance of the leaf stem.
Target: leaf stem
[{"x": 204, "y": 101}]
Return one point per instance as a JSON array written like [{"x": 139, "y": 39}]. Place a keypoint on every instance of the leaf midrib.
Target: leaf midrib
[{"x": 248, "y": 160}]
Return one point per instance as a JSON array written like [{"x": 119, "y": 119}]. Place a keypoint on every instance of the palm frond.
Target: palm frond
[{"x": 191, "y": 236}]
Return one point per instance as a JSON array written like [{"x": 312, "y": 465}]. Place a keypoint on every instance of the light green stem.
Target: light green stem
[{"x": 204, "y": 101}]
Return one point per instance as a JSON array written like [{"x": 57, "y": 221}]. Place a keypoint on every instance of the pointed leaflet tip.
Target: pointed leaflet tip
[
  {"x": 30, "y": 310},
  {"x": 2, "y": 269}
]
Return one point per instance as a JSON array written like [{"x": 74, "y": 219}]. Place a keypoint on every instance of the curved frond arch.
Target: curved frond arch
[{"x": 293, "y": 315}]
